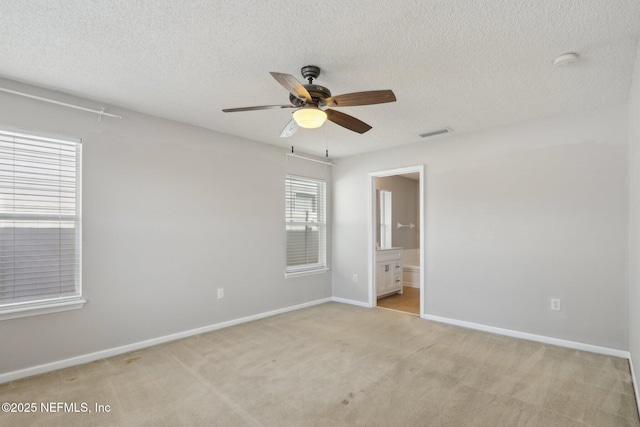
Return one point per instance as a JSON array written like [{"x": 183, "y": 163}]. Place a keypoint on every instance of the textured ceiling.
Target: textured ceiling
[{"x": 464, "y": 64}]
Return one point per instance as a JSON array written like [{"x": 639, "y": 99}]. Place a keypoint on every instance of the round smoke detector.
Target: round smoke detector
[{"x": 566, "y": 59}]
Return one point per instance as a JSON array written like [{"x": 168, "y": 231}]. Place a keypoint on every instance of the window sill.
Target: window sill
[
  {"x": 36, "y": 309},
  {"x": 291, "y": 274}
]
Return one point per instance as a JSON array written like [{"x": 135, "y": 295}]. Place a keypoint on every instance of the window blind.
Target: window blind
[
  {"x": 305, "y": 224},
  {"x": 39, "y": 218}
]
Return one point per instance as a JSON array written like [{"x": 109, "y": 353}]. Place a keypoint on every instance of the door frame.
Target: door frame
[{"x": 372, "y": 229}]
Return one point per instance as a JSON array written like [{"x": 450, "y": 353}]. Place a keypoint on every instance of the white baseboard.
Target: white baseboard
[
  {"x": 531, "y": 337},
  {"x": 634, "y": 381},
  {"x": 352, "y": 302},
  {"x": 86, "y": 358}
]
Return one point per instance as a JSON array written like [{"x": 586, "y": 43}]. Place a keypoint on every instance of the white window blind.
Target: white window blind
[
  {"x": 306, "y": 225},
  {"x": 40, "y": 254}
]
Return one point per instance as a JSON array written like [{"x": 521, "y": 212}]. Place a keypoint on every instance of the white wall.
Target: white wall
[
  {"x": 171, "y": 212},
  {"x": 634, "y": 220},
  {"x": 515, "y": 215}
]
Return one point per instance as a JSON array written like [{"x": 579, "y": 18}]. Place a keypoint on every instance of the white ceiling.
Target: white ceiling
[{"x": 464, "y": 64}]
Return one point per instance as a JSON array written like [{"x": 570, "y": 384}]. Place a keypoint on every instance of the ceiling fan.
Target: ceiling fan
[{"x": 312, "y": 103}]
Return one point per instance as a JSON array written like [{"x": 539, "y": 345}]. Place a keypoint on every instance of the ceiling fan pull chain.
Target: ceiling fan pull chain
[{"x": 326, "y": 139}]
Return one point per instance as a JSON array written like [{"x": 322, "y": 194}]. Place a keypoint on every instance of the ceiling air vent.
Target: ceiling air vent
[{"x": 436, "y": 132}]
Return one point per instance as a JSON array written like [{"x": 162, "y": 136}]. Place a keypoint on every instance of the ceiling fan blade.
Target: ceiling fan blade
[
  {"x": 361, "y": 98},
  {"x": 289, "y": 129},
  {"x": 291, "y": 84},
  {"x": 261, "y": 107},
  {"x": 347, "y": 121}
]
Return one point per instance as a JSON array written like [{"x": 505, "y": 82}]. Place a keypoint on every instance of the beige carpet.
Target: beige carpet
[{"x": 338, "y": 365}]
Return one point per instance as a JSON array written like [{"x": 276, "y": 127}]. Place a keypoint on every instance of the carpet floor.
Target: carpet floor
[{"x": 336, "y": 365}]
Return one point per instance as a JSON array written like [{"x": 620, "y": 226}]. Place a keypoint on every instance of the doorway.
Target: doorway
[{"x": 406, "y": 232}]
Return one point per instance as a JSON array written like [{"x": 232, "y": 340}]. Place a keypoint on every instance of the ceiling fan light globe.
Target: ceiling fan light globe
[{"x": 309, "y": 118}]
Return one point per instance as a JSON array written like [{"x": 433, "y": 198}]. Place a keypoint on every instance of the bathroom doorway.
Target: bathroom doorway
[{"x": 396, "y": 243}]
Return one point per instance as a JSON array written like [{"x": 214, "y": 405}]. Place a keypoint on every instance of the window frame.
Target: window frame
[
  {"x": 321, "y": 206},
  {"x": 46, "y": 305}
]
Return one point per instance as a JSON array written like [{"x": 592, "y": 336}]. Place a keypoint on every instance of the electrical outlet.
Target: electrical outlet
[
  {"x": 220, "y": 293},
  {"x": 555, "y": 304},
  {"x": 355, "y": 278}
]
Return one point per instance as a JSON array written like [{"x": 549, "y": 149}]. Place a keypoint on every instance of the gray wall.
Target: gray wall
[
  {"x": 404, "y": 202},
  {"x": 171, "y": 212},
  {"x": 634, "y": 219},
  {"x": 515, "y": 215}
]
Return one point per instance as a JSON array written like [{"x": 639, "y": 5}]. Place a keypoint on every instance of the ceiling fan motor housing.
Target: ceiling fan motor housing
[{"x": 318, "y": 95}]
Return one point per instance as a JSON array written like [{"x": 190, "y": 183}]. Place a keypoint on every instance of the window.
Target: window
[
  {"x": 306, "y": 225},
  {"x": 40, "y": 256}
]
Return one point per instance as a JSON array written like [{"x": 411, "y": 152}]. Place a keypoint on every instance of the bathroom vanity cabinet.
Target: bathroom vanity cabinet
[{"x": 388, "y": 271}]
